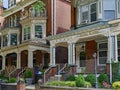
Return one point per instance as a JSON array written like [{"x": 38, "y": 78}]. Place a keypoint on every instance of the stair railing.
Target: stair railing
[
  {"x": 21, "y": 72},
  {"x": 9, "y": 75},
  {"x": 62, "y": 69}
]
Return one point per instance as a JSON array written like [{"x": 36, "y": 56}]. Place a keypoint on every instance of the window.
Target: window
[
  {"x": 38, "y": 31},
  {"x": 109, "y": 14},
  {"x": 93, "y": 12},
  {"x": 102, "y": 51},
  {"x": 84, "y": 10},
  {"x": 82, "y": 59},
  {"x": 27, "y": 33},
  {"x": 14, "y": 39},
  {"x": 88, "y": 13},
  {"x": 5, "y": 40}
]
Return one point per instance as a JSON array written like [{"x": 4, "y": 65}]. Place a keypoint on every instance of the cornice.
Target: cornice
[{"x": 19, "y": 6}]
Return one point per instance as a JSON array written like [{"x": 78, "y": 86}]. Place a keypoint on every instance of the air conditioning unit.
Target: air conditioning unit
[{"x": 84, "y": 22}]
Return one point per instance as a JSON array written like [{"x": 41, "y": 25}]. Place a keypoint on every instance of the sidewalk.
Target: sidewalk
[{"x": 30, "y": 87}]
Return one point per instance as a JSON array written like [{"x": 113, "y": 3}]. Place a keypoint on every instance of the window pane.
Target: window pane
[
  {"x": 26, "y": 33},
  {"x": 102, "y": 60},
  {"x": 93, "y": 17},
  {"x": 84, "y": 13},
  {"x": 93, "y": 8},
  {"x": 102, "y": 53},
  {"x": 103, "y": 46},
  {"x": 109, "y": 14},
  {"x": 93, "y": 12},
  {"x": 13, "y": 39},
  {"x": 38, "y": 31},
  {"x": 5, "y": 40}
]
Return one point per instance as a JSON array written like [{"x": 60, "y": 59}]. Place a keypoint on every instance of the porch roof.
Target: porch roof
[{"x": 77, "y": 30}]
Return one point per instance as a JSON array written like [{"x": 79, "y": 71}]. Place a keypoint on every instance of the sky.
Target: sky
[{"x": 5, "y": 3}]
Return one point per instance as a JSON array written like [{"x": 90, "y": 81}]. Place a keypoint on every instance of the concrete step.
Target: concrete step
[{"x": 30, "y": 87}]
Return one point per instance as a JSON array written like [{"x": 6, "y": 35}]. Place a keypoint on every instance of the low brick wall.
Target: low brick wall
[{"x": 65, "y": 88}]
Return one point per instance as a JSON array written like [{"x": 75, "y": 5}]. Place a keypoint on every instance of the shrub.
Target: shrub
[
  {"x": 90, "y": 78},
  {"x": 87, "y": 84},
  {"x": 12, "y": 80},
  {"x": 62, "y": 83},
  {"x": 103, "y": 77},
  {"x": 116, "y": 85},
  {"x": 80, "y": 81},
  {"x": 28, "y": 73},
  {"x": 71, "y": 78}
]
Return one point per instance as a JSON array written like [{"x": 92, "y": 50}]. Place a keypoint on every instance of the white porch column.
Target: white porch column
[
  {"x": 30, "y": 58},
  {"x": 112, "y": 48},
  {"x": 112, "y": 51},
  {"x": 52, "y": 55},
  {"x": 18, "y": 60},
  {"x": 71, "y": 53},
  {"x": 3, "y": 62}
]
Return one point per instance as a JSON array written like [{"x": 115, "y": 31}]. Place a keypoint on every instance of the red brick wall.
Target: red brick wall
[
  {"x": 63, "y": 16},
  {"x": 91, "y": 48}
]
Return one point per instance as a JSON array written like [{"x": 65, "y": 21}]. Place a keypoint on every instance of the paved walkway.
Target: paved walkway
[{"x": 30, "y": 87}]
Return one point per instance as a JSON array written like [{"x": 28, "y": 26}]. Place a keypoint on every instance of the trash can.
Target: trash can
[{"x": 21, "y": 85}]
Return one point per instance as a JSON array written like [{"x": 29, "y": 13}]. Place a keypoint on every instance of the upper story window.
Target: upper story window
[
  {"x": 26, "y": 33},
  {"x": 13, "y": 39},
  {"x": 5, "y": 40},
  {"x": 84, "y": 12},
  {"x": 88, "y": 13},
  {"x": 109, "y": 14},
  {"x": 38, "y": 31}
]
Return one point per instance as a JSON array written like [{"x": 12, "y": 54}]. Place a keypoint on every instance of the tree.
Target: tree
[{"x": 39, "y": 6}]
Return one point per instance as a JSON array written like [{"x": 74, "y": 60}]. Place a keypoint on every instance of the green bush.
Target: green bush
[
  {"x": 87, "y": 84},
  {"x": 28, "y": 73},
  {"x": 90, "y": 78},
  {"x": 116, "y": 85},
  {"x": 71, "y": 78},
  {"x": 62, "y": 83},
  {"x": 103, "y": 77},
  {"x": 12, "y": 80},
  {"x": 80, "y": 81}
]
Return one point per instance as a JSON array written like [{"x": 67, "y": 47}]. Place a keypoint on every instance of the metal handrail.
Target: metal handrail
[
  {"x": 18, "y": 76},
  {"x": 62, "y": 69},
  {"x": 11, "y": 73},
  {"x": 45, "y": 73}
]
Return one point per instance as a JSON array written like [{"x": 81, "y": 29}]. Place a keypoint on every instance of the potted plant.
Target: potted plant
[{"x": 28, "y": 76}]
